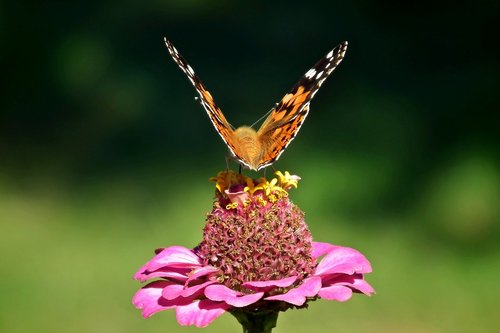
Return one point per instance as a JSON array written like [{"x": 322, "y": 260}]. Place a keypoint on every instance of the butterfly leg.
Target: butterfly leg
[
  {"x": 227, "y": 162},
  {"x": 239, "y": 170}
]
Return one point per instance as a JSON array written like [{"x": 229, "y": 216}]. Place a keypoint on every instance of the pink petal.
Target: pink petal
[
  {"x": 179, "y": 274},
  {"x": 148, "y": 298},
  {"x": 339, "y": 278},
  {"x": 238, "y": 197},
  {"x": 194, "y": 289},
  {"x": 270, "y": 284},
  {"x": 202, "y": 271},
  {"x": 231, "y": 297},
  {"x": 319, "y": 249},
  {"x": 171, "y": 257},
  {"x": 363, "y": 286},
  {"x": 343, "y": 260},
  {"x": 172, "y": 291},
  {"x": 298, "y": 296},
  {"x": 200, "y": 313},
  {"x": 336, "y": 293},
  {"x": 360, "y": 285}
]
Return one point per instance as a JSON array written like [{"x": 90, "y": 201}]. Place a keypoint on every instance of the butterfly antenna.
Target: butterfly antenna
[{"x": 264, "y": 116}]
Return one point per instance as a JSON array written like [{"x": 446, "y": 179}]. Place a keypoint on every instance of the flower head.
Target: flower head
[{"x": 256, "y": 254}]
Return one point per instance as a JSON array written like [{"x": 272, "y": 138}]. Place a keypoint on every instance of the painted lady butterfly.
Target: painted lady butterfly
[{"x": 259, "y": 149}]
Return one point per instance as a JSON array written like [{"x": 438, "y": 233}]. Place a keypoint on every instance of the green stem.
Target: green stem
[{"x": 256, "y": 322}]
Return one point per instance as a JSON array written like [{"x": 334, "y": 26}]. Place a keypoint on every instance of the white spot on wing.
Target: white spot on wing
[{"x": 310, "y": 73}]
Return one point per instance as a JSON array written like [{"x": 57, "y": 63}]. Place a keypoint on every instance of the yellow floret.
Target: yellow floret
[
  {"x": 232, "y": 205},
  {"x": 287, "y": 180},
  {"x": 273, "y": 190}
]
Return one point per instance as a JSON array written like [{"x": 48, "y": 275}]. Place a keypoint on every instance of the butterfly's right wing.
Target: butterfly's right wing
[
  {"x": 301, "y": 94},
  {"x": 220, "y": 123},
  {"x": 285, "y": 120}
]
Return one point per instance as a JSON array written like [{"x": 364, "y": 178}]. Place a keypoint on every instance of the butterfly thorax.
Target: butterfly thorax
[{"x": 250, "y": 146}]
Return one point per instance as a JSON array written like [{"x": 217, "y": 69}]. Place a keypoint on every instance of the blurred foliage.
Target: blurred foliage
[{"x": 104, "y": 154}]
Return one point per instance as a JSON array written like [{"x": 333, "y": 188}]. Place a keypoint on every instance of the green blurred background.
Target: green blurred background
[{"x": 105, "y": 155}]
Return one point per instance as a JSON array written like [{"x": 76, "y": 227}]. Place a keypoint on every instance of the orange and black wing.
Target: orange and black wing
[
  {"x": 285, "y": 120},
  {"x": 220, "y": 123}
]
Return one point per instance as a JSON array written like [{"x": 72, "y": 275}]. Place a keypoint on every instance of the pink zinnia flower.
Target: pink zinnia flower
[{"x": 256, "y": 258}]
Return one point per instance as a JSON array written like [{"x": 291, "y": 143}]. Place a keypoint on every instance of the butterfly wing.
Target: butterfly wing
[
  {"x": 285, "y": 120},
  {"x": 222, "y": 126}
]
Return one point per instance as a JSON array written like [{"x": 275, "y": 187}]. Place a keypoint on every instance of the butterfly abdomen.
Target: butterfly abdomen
[{"x": 250, "y": 150}]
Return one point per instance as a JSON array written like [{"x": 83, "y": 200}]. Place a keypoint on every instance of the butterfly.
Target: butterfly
[{"x": 261, "y": 148}]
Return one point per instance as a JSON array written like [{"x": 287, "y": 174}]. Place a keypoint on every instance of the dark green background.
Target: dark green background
[{"x": 105, "y": 155}]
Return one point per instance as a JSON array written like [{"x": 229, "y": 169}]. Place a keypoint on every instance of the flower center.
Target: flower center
[{"x": 255, "y": 233}]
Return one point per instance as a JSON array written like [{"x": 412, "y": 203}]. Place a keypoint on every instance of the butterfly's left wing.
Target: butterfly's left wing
[
  {"x": 222, "y": 126},
  {"x": 285, "y": 120}
]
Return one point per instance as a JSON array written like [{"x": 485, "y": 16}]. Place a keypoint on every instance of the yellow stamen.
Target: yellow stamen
[
  {"x": 273, "y": 190},
  {"x": 232, "y": 205},
  {"x": 261, "y": 201}
]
